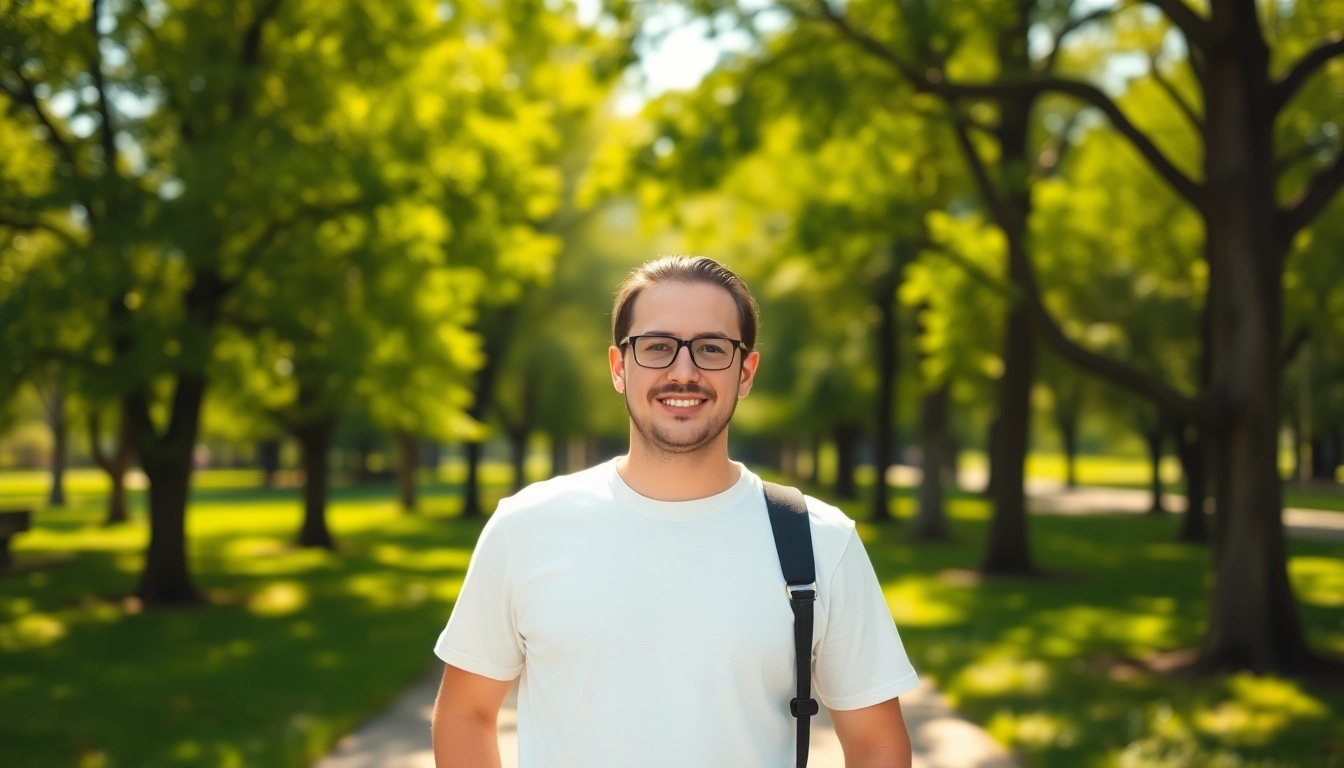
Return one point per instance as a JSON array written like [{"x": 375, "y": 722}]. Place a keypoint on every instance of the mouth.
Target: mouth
[{"x": 682, "y": 405}]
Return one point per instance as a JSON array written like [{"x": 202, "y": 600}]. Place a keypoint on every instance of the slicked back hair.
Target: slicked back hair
[{"x": 684, "y": 269}]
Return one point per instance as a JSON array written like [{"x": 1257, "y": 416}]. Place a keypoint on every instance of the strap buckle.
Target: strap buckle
[
  {"x": 801, "y": 591},
  {"x": 804, "y": 707}
]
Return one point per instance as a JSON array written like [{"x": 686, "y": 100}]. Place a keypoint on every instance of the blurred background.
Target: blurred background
[{"x": 292, "y": 292}]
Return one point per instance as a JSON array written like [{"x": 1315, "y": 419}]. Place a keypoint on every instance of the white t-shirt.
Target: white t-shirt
[{"x": 652, "y": 633}]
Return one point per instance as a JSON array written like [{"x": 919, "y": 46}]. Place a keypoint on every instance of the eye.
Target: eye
[
  {"x": 657, "y": 346},
  {"x": 712, "y": 348}
]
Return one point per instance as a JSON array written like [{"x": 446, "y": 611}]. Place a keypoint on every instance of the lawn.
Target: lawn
[
  {"x": 298, "y": 647},
  {"x": 295, "y": 648}
]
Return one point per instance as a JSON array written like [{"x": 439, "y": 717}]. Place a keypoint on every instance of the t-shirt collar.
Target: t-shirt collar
[{"x": 708, "y": 505}]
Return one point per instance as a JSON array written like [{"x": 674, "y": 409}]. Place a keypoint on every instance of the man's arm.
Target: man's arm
[
  {"x": 465, "y": 716},
  {"x": 873, "y": 737}
]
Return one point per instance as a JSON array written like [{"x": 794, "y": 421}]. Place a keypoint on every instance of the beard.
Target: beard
[{"x": 662, "y": 440}]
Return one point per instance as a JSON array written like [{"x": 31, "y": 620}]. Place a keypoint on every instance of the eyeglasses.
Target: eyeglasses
[{"x": 709, "y": 353}]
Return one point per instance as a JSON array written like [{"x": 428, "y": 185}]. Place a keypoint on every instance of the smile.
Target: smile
[{"x": 682, "y": 402}]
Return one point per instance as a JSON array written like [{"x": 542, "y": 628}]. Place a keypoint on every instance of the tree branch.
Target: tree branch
[
  {"x": 1314, "y": 196},
  {"x": 1304, "y": 152},
  {"x": 933, "y": 82},
  {"x": 54, "y": 137},
  {"x": 250, "y": 52},
  {"x": 1192, "y": 25},
  {"x": 1159, "y": 394},
  {"x": 1284, "y": 90},
  {"x": 107, "y": 132},
  {"x": 1169, "y": 88},
  {"x": 257, "y": 249},
  {"x": 1294, "y": 346},
  {"x": 1069, "y": 28}
]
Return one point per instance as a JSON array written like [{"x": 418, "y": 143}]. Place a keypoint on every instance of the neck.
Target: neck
[{"x": 663, "y": 476}]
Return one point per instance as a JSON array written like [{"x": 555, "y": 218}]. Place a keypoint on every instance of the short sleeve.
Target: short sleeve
[
  {"x": 860, "y": 660},
  {"x": 482, "y": 635}
]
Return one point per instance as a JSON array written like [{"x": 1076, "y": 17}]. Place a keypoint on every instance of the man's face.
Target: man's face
[{"x": 682, "y": 408}]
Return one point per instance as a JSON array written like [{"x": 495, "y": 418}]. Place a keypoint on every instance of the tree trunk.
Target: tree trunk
[
  {"x": 315, "y": 446},
  {"x": 408, "y": 461},
  {"x": 950, "y": 458},
  {"x": 1068, "y": 431},
  {"x": 1009, "y": 549},
  {"x": 814, "y": 477},
  {"x": 60, "y": 430},
  {"x": 559, "y": 455},
  {"x": 846, "y": 438},
  {"x": 167, "y": 462},
  {"x": 931, "y": 520},
  {"x": 1193, "y": 454},
  {"x": 166, "y": 579},
  {"x": 1253, "y": 617},
  {"x": 471, "y": 486},
  {"x": 114, "y": 465},
  {"x": 1325, "y": 454},
  {"x": 988, "y": 490},
  {"x": 268, "y": 459},
  {"x": 1152, "y": 436},
  {"x": 880, "y": 510},
  {"x": 1068, "y": 407},
  {"x": 518, "y": 456}
]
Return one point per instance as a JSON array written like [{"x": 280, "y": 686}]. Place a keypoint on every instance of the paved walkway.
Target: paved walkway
[
  {"x": 399, "y": 737},
  {"x": 1052, "y": 497}
]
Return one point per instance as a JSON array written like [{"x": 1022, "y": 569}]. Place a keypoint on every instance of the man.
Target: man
[{"x": 641, "y": 601}]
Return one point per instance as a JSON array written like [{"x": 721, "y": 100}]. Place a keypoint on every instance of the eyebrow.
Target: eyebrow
[{"x": 709, "y": 335}]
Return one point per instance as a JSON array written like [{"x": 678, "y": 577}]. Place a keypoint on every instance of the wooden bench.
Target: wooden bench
[{"x": 11, "y": 522}]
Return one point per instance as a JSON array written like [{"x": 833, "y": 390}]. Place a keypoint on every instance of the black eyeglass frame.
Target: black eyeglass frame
[{"x": 629, "y": 340}]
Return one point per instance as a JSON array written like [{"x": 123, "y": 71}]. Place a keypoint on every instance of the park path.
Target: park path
[
  {"x": 399, "y": 737},
  {"x": 1053, "y": 498}
]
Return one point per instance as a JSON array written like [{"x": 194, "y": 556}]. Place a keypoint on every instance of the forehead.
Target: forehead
[{"x": 685, "y": 310}]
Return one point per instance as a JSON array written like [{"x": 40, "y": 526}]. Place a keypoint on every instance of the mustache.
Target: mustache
[{"x": 679, "y": 391}]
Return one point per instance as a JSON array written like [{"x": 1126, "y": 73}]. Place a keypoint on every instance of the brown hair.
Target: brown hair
[{"x": 684, "y": 269}]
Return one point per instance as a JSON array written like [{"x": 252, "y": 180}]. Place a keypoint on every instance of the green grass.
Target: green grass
[
  {"x": 1051, "y": 666},
  {"x": 298, "y": 647},
  {"x": 295, "y": 649}
]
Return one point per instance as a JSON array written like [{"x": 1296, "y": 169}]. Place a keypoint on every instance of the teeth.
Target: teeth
[{"x": 683, "y": 403}]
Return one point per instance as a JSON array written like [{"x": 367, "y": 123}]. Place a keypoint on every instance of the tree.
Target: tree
[
  {"x": 252, "y": 126},
  {"x": 1250, "y": 222}
]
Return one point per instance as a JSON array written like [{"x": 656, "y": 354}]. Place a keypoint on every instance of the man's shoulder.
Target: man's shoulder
[
  {"x": 578, "y": 490},
  {"x": 831, "y": 527}
]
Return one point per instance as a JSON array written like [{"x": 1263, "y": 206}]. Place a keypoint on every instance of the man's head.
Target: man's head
[{"x": 679, "y": 399}]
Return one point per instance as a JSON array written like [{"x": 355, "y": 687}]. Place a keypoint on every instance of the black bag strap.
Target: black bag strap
[{"x": 793, "y": 542}]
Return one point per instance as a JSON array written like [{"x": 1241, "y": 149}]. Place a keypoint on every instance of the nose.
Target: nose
[{"x": 683, "y": 368}]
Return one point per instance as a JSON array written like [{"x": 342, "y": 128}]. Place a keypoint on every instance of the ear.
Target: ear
[
  {"x": 617, "y": 364},
  {"x": 748, "y": 375}
]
